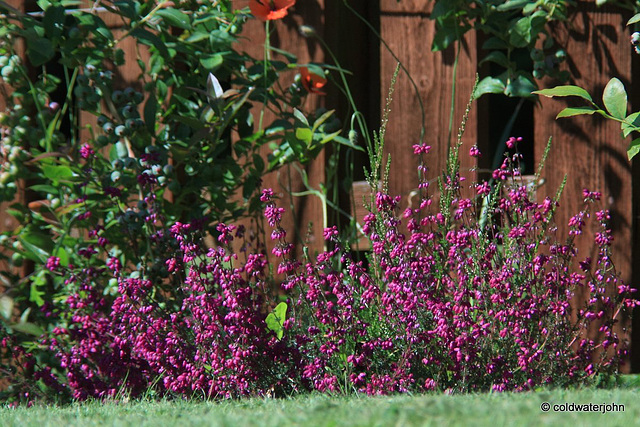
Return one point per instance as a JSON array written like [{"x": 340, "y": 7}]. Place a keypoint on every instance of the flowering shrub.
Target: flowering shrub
[
  {"x": 93, "y": 168},
  {"x": 443, "y": 303},
  {"x": 459, "y": 293}
]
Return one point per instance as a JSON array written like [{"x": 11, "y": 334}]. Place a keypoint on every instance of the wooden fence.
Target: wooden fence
[{"x": 589, "y": 151}]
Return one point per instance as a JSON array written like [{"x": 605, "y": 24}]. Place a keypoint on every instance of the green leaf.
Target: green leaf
[
  {"x": 298, "y": 114},
  {"x": 520, "y": 87},
  {"x": 635, "y": 18},
  {"x": 37, "y": 238},
  {"x": 57, "y": 173},
  {"x": 497, "y": 57},
  {"x": 634, "y": 148},
  {"x": 150, "y": 110},
  {"x": 211, "y": 62},
  {"x": 151, "y": 39},
  {"x": 304, "y": 134},
  {"x": 36, "y": 294},
  {"x": 566, "y": 90},
  {"x": 324, "y": 138},
  {"x": 40, "y": 51},
  {"x": 631, "y": 124},
  {"x": 175, "y": 17},
  {"x": 520, "y": 32},
  {"x": 494, "y": 43},
  {"x": 44, "y": 188},
  {"x": 512, "y": 5},
  {"x": 443, "y": 38},
  {"x": 277, "y": 126},
  {"x": 347, "y": 142},
  {"x": 615, "y": 98},
  {"x": 275, "y": 320},
  {"x": 28, "y": 328},
  {"x": 489, "y": 85},
  {"x": 197, "y": 36},
  {"x": 33, "y": 252},
  {"x": 576, "y": 111},
  {"x": 53, "y": 21},
  {"x": 62, "y": 254},
  {"x": 323, "y": 118}
]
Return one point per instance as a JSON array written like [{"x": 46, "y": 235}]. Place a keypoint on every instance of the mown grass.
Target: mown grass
[{"x": 498, "y": 409}]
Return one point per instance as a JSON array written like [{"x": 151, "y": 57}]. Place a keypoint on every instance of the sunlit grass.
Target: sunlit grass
[{"x": 493, "y": 410}]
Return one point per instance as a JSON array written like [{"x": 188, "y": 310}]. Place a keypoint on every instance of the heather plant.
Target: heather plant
[{"x": 445, "y": 301}]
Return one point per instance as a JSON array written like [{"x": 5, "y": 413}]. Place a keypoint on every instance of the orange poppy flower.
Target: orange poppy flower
[
  {"x": 312, "y": 82},
  {"x": 268, "y": 10}
]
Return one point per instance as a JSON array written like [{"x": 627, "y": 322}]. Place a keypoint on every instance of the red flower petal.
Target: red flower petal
[
  {"x": 269, "y": 10},
  {"x": 312, "y": 82}
]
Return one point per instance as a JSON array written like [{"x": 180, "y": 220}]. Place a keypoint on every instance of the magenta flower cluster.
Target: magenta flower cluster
[{"x": 457, "y": 294}]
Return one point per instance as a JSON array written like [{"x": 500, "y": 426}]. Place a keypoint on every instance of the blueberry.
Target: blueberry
[
  {"x": 129, "y": 93},
  {"x": 102, "y": 120},
  {"x": 131, "y": 124},
  {"x": 108, "y": 128},
  {"x": 102, "y": 141},
  {"x": 90, "y": 70},
  {"x": 129, "y": 163},
  {"x": 117, "y": 96},
  {"x": 129, "y": 112},
  {"x": 121, "y": 130},
  {"x": 6, "y": 71},
  {"x": 17, "y": 259},
  {"x": 118, "y": 164}
]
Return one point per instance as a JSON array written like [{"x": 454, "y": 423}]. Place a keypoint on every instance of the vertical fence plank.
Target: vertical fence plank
[
  {"x": 588, "y": 149},
  {"x": 304, "y": 213},
  {"x": 409, "y": 32}
]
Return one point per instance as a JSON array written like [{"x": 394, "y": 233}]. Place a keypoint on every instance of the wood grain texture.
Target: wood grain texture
[
  {"x": 410, "y": 38},
  {"x": 305, "y": 226},
  {"x": 406, "y": 6},
  {"x": 590, "y": 150}
]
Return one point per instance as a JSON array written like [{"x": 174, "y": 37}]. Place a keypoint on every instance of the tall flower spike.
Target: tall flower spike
[
  {"x": 269, "y": 10},
  {"x": 312, "y": 82}
]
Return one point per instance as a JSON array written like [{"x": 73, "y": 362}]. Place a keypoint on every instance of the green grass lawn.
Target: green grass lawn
[{"x": 493, "y": 410}]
